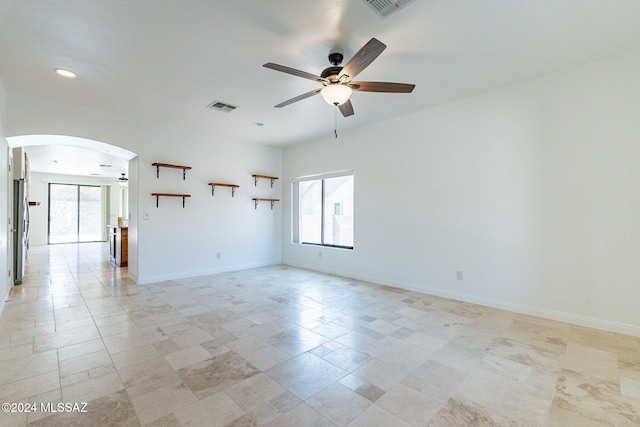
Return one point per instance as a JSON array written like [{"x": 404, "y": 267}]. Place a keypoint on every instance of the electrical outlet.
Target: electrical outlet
[
  {"x": 145, "y": 216},
  {"x": 319, "y": 254},
  {"x": 218, "y": 255},
  {"x": 459, "y": 275}
]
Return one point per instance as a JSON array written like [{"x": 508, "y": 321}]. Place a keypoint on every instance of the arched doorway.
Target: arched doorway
[{"x": 52, "y": 169}]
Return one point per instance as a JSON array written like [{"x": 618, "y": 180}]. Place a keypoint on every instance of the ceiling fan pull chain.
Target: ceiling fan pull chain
[{"x": 335, "y": 121}]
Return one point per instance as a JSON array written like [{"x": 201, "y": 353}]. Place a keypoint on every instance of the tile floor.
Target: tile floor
[{"x": 280, "y": 346}]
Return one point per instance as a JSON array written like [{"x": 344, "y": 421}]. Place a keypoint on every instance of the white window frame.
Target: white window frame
[{"x": 295, "y": 207}]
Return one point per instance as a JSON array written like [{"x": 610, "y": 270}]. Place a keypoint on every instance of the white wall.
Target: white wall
[
  {"x": 532, "y": 191},
  {"x": 39, "y": 192},
  {"x": 5, "y": 197},
  {"x": 176, "y": 242}
]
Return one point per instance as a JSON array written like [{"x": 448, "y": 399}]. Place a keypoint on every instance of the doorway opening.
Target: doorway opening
[{"x": 76, "y": 189}]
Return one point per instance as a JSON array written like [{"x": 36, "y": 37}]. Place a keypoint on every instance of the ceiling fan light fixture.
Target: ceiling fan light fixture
[{"x": 336, "y": 94}]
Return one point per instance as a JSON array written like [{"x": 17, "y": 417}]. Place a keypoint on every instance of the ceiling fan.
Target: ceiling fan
[{"x": 338, "y": 81}]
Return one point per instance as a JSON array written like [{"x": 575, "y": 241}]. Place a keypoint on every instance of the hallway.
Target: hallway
[{"x": 281, "y": 346}]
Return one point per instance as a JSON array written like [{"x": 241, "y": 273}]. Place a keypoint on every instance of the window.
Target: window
[
  {"x": 75, "y": 213},
  {"x": 323, "y": 210}
]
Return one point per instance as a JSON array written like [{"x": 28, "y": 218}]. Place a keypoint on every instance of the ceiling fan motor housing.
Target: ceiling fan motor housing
[
  {"x": 335, "y": 58},
  {"x": 331, "y": 71}
]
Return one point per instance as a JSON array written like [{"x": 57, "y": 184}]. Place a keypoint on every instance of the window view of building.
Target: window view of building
[{"x": 325, "y": 210}]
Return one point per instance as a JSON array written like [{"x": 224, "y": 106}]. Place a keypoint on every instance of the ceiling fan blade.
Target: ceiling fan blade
[
  {"x": 382, "y": 87},
  {"x": 363, "y": 58},
  {"x": 346, "y": 109},
  {"x": 294, "y": 72},
  {"x": 298, "y": 98}
]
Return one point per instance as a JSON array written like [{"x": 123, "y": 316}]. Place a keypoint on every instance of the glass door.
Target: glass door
[{"x": 75, "y": 213}]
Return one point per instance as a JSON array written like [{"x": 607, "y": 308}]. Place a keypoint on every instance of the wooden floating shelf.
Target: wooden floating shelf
[
  {"x": 158, "y": 195},
  {"x": 219, "y": 184},
  {"x": 167, "y": 165},
  {"x": 258, "y": 199},
  {"x": 257, "y": 177}
]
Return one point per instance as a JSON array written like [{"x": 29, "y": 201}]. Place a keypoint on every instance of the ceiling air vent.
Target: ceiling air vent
[
  {"x": 385, "y": 8},
  {"x": 222, "y": 106}
]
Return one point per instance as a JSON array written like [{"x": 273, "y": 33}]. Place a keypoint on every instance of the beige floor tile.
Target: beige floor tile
[
  {"x": 274, "y": 408},
  {"x": 253, "y": 344},
  {"x": 379, "y": 374},
  {"x": 166, "y": 421},
  {"x": 338, "y": 404},
  {"x": 630, "y": 387},
  {"x": 65, "y": 338},
  {"x": 28, "y": 366},
  {"x": 134, "y": 356},
  {"x": 301, "y": 415},
  {"x": 563, "y": 418},
  {"x": 591, "y": 361},
  {"x": 502, "y": 395},
  {"x": 376, "y": 416},
  {"x": 51, "y": 397},
  {"x": 409, "y": 405},
  {"x": 305, "y": 375},
  {"x": 254, "y": 392},
  {"x": 596, "y": 399},
  {"x": 76, "y": 350},
  {"x": 216, "y": 410},
  {"x": 74, "y": 378},
  {"x": 21, "y": 389},
  {"x": 543, "y": 359},
  {"x": 296, "y": 341},
  {"x": 191, "y": 338},
  {"x": 267, "y": 357},
  {"x": 435, "y": 380},
  {"x": 402, "y": 355},
  {"x": 133, "y": 339},
  {"x": 247, "y": 344},
  {"x": 363, "y": 388},
  {"x": 10, "y": 419},
  {"x": 162, "y": 401},
  {"x": 145, "y": 371},
  {"x": 111, "y": 409},
  {"x": 92, "y": 388},
  {"x": 217, "y": 373},
  {"x": 346, "y": 358},
  {"x": 84, "y": 362},
  {"x": 187, "y": 357},
  {"x": 461, "y": 413},
  {"x": 16, "y": 351}
]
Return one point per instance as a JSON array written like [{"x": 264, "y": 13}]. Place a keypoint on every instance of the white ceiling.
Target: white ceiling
[
  {"x": 69, "y": 155},
  {"x": 166, "y": 60}
]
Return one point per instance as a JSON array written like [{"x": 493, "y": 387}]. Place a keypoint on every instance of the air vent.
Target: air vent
[
  {"x": 384, "y": 8},
  {"x": 222, "y": 106}
]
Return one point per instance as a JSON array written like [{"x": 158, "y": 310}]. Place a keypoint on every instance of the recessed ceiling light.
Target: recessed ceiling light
[{"x": 66, "y": 73}]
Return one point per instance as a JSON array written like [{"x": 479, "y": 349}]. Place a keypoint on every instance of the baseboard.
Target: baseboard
[
  {"x": 132, "y": 278},
  {"x": 204, "y": 272},
  {"x": 607, "y": 325}
]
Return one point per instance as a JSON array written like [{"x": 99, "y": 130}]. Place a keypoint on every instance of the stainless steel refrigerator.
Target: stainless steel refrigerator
[{"x": 21, "y": 229}]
